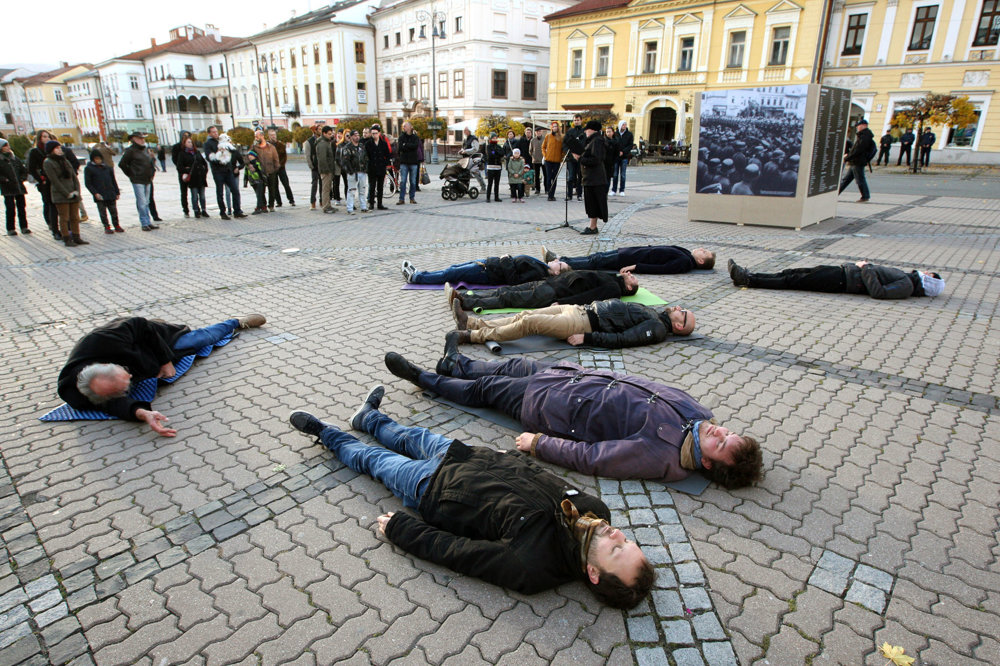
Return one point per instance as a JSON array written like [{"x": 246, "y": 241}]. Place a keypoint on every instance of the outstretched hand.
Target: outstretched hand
[
  {"x": 576, "y": 339},
  {"x": 523, "y": 441},
  {"x": 155, "y": 420},
  {"x": 167, "y": 371},
  {"x": 383, "y": 520}
]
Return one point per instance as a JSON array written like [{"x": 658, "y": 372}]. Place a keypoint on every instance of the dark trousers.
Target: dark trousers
[
  {"x": 551, "y": 174},
  {"x": 259, "y": 189},
  {"x": 271, "y": 183},
  {"x": 152, "y": 204},
  {"x": 599, "y": 261},
  {"x": 828, "y": 279},
  {"x": 574, "y": 180},
  {"x": 15, "y": 208},
  {"x": 226, "y": 178},
  {"x": 486, "y": 383},
  {"x": 883, "y": 152},
  {"x": 335, "y": 188},
  {"x": 493, "y": 184},
  {"x": 312, "y": 188},
  {"x": 904, "y": 149},
  {"x": 376, "y": 183},
  {"x": 198, "y": 200},
  {"x": 528, "y": 295},
  {"x": 49, "y": 209},
  {"x": 108, "y": 209},
  {"x": 855, "y": 172},
  {"x": 184, "y": 194},
  {"x": 516, "y": 190},
  {"x": 925, "y": 155},
  {"x": 539, "y": 168},
  {"x": 283, "y": 179}
]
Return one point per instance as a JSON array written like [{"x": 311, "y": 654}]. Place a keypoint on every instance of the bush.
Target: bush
[
  {"x": 607, "y": 117},
  {"x": 498, "y": 124},
  {"x": 241, "y": 136},
  {"x": 424, "y": 132},
  {"x": 301, "y": 134},
  {"x": 152, "y": 138},
  {"x": 20, "y": 144},
  {"x": 357, "y": 123},
  {"x": 91, "y": 138},
  {"x": 285, "y": 136},
  {"x": 199, "y": 138}
]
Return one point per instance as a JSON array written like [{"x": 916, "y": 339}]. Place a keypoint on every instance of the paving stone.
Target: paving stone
[
  {"x": 874, "y": 577},
  {"x": 719, "y": 653},
  {"x": 678, "y": 632},
  {"x": 57, "y": 631},
  {"x": 40, "y": 586},
  {"x": 81, "y": 598},
  {"x": 171, "y": 557},
  {"x": 833, "y": 583},
  {"x": 707, "y": 627},
  {"x": 12, "y": 598},
  {"x": 52, "y": 615},
  {"x": 687, "y": 657},
  {"x": 668, "y": 603},
  {"x": 46, "y": 601},
  {"x": 642, "y": 629},
  {"x": 650, "y": 656},
  {"x": 15, "y": 615},
  {"x": 868, "y": 596},
  {"x": 18, "y": 644},
  {"x": 682, "y": 552},
  {"x": 114, "y": 565},
  {"x": 696, "y": 598},
  {"x": 73, "y": 646},
  {"x": 689, "y": 573}
]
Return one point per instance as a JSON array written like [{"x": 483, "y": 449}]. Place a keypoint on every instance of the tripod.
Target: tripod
[{"x": 565, "y": 224}]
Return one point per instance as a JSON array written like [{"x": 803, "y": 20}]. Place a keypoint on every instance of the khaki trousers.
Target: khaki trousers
[
  {"x": 555, "y": 321},
  {"x": 69, "y": 219},
  {"x": 325, "y": 184}
]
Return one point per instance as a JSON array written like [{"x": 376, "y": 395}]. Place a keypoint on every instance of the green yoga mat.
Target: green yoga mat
[{"x": 643, "y": 296}]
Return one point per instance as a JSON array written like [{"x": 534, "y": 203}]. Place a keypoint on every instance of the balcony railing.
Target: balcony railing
[
  {"x": 603, "y": 82},
  {"x": 774, "y": 74},
  {"x": 646, "y": 80},
  {"x": 732, "y": 75},
  {"x": 574, "y": 83},
  {"x": 682, "y": 79}
]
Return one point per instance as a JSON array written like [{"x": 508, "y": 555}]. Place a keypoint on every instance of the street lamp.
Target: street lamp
[
  {"x": 436, "y": 18},
  {"x": 267, "y": 70}
]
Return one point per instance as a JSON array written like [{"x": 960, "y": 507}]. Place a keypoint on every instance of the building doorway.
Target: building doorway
[{"x": 662, "y": 125}]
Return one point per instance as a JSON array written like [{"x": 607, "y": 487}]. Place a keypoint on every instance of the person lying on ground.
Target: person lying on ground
[
  {"x": 106, "y": 363},
  {"x": 491, "y": 270},
  {"x": 572, "y": 288},
  {"x": 652, "y": 259},
  {"x": 596, "y": 421},
  {"x": 862, "y": 277},
  {"x": 499, "y": 517}
]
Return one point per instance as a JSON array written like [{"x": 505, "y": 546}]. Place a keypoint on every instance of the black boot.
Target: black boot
[
  {"x": 372, "y": 402},
  {"x": 450, "y": 359},
  {"x": 739, "y": 275},
  {"x": 402, "y": 368}
]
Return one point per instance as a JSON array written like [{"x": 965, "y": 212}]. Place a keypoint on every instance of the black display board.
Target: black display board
[{"x": 833, "y": 115}]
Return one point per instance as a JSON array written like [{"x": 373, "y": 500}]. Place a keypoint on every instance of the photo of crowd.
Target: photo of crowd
[{"x": 750, "y": 141}]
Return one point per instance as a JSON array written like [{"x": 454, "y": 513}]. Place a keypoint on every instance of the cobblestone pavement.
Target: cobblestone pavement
[{"x": 241, "y": 541}]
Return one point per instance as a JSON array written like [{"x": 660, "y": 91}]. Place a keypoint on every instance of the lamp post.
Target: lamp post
[
  {"x": 267, "y": 70},
  {"x": 435, "y": 18}
]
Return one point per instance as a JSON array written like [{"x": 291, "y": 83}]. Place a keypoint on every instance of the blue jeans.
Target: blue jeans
[
  {"x": 620, "y": 166},
  {"x": 200, "y": 337},
  {"x": 142, "y": 193},
  {"x": 573, "y": 179},
  {"x": 471, "y": 272},
  {"x": 405, "y": 466},
  {"x": 408, "y": 174},
  {"x": 857, "y": 173},
  {"x": 599, "y": 261}
]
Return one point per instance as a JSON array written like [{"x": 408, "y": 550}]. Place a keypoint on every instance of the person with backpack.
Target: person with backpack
[{"x": 862, "y": 152}]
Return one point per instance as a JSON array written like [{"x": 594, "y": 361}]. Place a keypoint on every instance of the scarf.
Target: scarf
[
  {"x": 691, "y": 448},
  {"x": 582, "y": 527}
]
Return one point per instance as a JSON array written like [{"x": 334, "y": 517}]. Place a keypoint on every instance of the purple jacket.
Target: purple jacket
[{"x": 609, "y": 424}]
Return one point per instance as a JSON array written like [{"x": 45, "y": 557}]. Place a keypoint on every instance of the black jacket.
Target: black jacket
[
  {"x": 496, "y": 516},
  {"x": 882, "y": 282},
  {"x": 626, "y": 142},
  {"x": 175, "y": 152},
  {"x": 36, "y": 158},
  {"x": 592, "y": 162},
  {"x": 494, "y": 153},
  {"x": 100, "y": 179},
  {"x": 569, "y": 288},
  {"x": 574, "y": 141},
  {"x": 657, "y": 259},
  {"x": 408, "y": 146},
  {"x": 13, "y": 173},
  {"x": 379, "y": 155},
  {"x": 137, "y": 164},
  {"x": 513, "y": 270},
  {"x": 141, "y": 345},
  {"x": 861, "y": 148},
  {"x": 612, "y": 147},
  {"x": 195, "y": 166},
  {"x": 620, "y": 324},
  {"x": 885, "y": 141}
]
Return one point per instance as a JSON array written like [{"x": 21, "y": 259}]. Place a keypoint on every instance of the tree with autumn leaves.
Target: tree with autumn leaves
[{"x": 933, "y": 109}]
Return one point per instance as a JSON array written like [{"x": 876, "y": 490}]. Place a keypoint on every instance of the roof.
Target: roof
[
  {"x": 203, "y": 45},
  {"x": 322, "y": 15},
  {"x": 587, "y": 7},
  {"x": 51, "y": 74}
]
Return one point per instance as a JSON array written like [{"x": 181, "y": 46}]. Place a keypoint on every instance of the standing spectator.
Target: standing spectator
[
  {"x": 537, "y": 159},
  {"x": 857, "y": 159},
  {"x": 409, "y": 162},
  {"x": 65, "y": 188},
  {"x": 75, "y": 163},
  {"x": 593, "y": 175},
  {"x": 270, "y": 163},
  {"x": 161, "y": 154},
  {"x": 193, "y": 171},
  {"x": 99, "y": 179},
  {"x": 470, "y": 146},
  {"x": 905, "y": 145},
  {"x": 272, "y": 137},
  {"x": 884, "y": 145},
  {"x": 254, "y": 176},
  {"x": 338, "y": 141},
  {"x": 509, "y": 144},
  {"x": 574, "y": 142},
  {"x": 552, "y": 152},
  {"x": 309, "y": 148},
  {"x": 138, "y": 165},
  {"x": 13, "y": 173},
  {"x": 175, "y": 155},
  {"x": 611, "y": 150},
  {"x": 927, "y": 141},
  {"x": 494, "y": 165},
  {"x": 326, "y": 162},
  {"x": 354, "y": 164},
  {"x": 626, "y": 143},
  {"x": 379, "y": 158},
  {"x": 515, "y": 176},
  {"x": 107, "y": 152},
  {"x": 226, "y": 162}
]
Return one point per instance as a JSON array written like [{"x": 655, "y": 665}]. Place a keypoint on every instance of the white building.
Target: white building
[
  {"x": 123, "y": 93},
  {"x": 14, "y": 101},
  {"x": 244, "y": 84},
  {"x": 468, "y": 58},
  {"x": 85, "y": 98},
  {"x": 318, "y": 67}
]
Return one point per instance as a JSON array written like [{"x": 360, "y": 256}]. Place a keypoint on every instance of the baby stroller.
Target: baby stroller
[{"x": 458, "y": 176}]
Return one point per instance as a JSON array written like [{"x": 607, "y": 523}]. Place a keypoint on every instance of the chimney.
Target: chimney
[
  {"x": 152, "y": 41},
  {"x": 213, "y": 32},
  {"x": 64, "y": 64}
]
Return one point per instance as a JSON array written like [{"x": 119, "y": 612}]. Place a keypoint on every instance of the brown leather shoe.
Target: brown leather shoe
[
  {"x": 461, "y": 318},
  {"x": 252, "y": 320}
]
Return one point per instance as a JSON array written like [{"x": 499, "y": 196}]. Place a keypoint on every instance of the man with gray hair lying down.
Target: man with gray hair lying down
[{"x": 106, "y": 362}]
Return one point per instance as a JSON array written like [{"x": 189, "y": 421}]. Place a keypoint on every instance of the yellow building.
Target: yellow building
[
  {"x": 48, "y": 105},
  {"x": 647, "y": 60},
  {"x": 890, "y": 51}
]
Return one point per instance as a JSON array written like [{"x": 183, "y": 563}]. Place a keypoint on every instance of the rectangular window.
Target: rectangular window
[
  {"x": 499, "y": 84},
  {"x": 284, "y": 95},
  {"x": 211, "y": 72},
  {"x": 603, "y": 58},
  {"x": 293, "y": 60},
  {"x": 458, "y": 24},
  {"x": 331, "y": 94},
  {"x": 779, "y": 46},
  {"x": 988, "y": 28},
  {"x": 398, "y": 42},
  {"x": 459, "y": 83},
  {"x": 923, "y": 28},
  {"x": 329, "y": 52},
  {"x": 305, "y": 56},
  {"x": 442, "y": 90},
  {"x": 965, "y": 136},
  {"x": 315, "y": 54},
  {"x": 63, "y": 120},
  {"x": 295, "y": 92},
  {"x": 413, "y": 32},
  {"x": 529, "y": 89},
  {"x": 649, "y": 57},
  {"x": 413, "y": 87},
  {"x": 387, "y": 92},
  {"x": 737, "y": 46},
  {"x": 686, "y": 61},
  {"x": 58, "y": 94},
  {"x": 359, "y": 52},
  {"x": 399, "y": 89},
  {"x": 133, "y": 81},
  {"x": 423, "y": 32},
  {"x": 276, "y": 97},
  {"x": 189, "y": 72},
  {"x": 319, "y": 94},
  {"x": 385, "y": 41},
  {"x": 576, "y": 59},
  {"x": 425, "y": 86},
  {"x": 308, "y": 101},
  {"x": 856, "y": 24},
  {"x": 458, "y": 136}
]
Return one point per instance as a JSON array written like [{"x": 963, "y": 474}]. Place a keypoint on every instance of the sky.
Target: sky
[{"x": 99, "y": 30}]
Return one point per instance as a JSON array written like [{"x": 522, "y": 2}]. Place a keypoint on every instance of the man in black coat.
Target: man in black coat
[
  {"x": 905, "y": 146},
  {"x": 175, "y": 154},
  {"x": 611, "y": 323},
  {"x": 650, "y": 259},
  {"x": 927, "y": 141},
  {"x": 491, "y": 270},
  {"x": 572, "y": 288},
  {"x": 499, "y": 517},
  {"x": 13, "y": 173},
  {"x": 862, "y": 277},
  {"x": 573, "y": 142},
  {"x": 105, "y": 363},
  {"x": 857, "y": 159},
  {"x": 379, "y": 158},
  {"x": 594, "y": 176}
]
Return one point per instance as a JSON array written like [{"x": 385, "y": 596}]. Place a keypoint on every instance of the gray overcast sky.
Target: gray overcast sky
[{"x": 82, "y": 31}]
